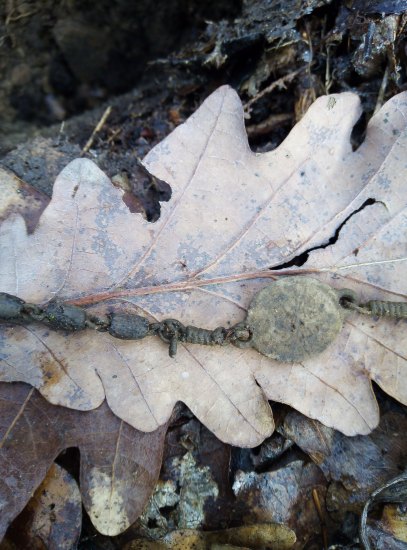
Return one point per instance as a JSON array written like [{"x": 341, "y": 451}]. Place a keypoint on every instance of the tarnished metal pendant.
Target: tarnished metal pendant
[{"x": 296, "y": 318}]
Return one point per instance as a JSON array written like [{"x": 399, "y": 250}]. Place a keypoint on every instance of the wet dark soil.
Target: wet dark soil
[{"x": 63, "y": 64}]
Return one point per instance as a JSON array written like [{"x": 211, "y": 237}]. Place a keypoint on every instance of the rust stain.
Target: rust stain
[
  {"x": 51, "y": 368},
  {"x": 14, "y": 333}
]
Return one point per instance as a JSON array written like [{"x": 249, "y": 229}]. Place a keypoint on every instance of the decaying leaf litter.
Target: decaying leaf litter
[
  {"x": 119, "y": 465},
  {"x": 36, "y": 161},
  {"x": 53, "y": 516},
  {"x": 161, "y": 175}
]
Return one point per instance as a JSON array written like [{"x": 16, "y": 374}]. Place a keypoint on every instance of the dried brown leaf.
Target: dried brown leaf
[
  {"x": 52, "y": 518},
  {"x": 284, "y": 496},
  {"x": 119, "y": 465},
  {"x": 19, "y": 197},
  {"x": 394, "y": 521},
  {"x": 360, "y": 463},
  {"x": 391, "y": 531},
  {"x": 259, "y": 536},
  {"x": 233, "y": 215}
]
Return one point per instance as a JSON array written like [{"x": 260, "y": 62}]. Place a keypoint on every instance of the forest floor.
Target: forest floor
[{"x": 109, "y": 81}]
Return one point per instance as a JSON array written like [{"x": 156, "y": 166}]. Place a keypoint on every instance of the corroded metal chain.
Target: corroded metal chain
[
  {"x": 378, "y": 308},
  {"x": 172, "y": 331},
  {"x": 70, "y": 318},
  {"x": 256, "y": 331}
]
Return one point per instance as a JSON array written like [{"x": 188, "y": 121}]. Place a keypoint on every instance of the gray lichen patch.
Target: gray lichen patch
[
  {"x": 179, "y": 504},
  {"x": 197, "y": 485}
]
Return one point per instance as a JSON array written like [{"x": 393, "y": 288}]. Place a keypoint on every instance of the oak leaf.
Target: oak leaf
[
  {"x": 52, "y": 518},
  {"x": 359, "y": 464},
  {"x": 119, "y": 465},
  {"x": 234, "y": 218},
  {"x": 260, "y": 535}
]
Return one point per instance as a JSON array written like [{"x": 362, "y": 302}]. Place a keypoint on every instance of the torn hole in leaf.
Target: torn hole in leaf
[
  {"x": 69, "y": 459},
  {"x": 142, "y": 191},
  {"x": 300, "y": 260}
]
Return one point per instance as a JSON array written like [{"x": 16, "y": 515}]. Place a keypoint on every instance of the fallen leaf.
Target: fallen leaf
[
  {"x": 259, "y": 536},
  {"x": 284, "y": 496},
  {"x": 389, "y": 533},
  {"x": 361, "y": 463},
  {"x": 26, "y": 200},
  {"x": 194, "y": 490},
  {"x": 382, "y": 540},
  {"x": 272, "y": 448},
  {"x": 394, "y": 521},
  {"x": 353, "y": 466},
  {"x": 233, "y": 219},
  {"x": 19, "y": 197},
  {"x": 52, "y": 518},
  {"x": 119, "y": 465}
]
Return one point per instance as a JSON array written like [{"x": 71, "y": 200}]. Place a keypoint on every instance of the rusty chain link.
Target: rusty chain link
[
  {"x": 70, "y": 318},
  {"x": 61, "y": 316},
  {"x": 377, "y": 308}
]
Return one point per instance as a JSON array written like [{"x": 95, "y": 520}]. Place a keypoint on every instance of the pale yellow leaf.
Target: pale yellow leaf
[{"x": 232, "y": 216}]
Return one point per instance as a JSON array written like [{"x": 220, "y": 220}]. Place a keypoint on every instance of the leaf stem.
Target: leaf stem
[
  {"x": 190, "y": 284},
  {"x": 184, "y": 285}
]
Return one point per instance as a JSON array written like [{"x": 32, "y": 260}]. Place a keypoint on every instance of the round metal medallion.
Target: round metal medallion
[{"x": 295, "y": 318}]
